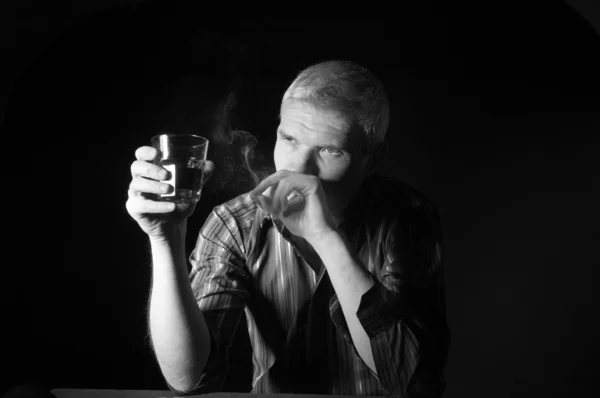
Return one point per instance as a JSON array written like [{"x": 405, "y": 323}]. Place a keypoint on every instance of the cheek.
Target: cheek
[
  {"x": 279, "y": 156},
  {"x": 343, "y": 181},
  {"x": 337, "y": 171}
]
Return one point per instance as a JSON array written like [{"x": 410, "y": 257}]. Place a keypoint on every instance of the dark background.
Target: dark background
[{"x": 495, "y": 117}]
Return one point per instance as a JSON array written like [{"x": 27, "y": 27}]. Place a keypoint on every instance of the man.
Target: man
[{"x": 335, "y": 270}]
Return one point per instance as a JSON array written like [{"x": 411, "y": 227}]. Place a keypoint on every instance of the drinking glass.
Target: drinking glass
[{"x": 184, "y": 156}]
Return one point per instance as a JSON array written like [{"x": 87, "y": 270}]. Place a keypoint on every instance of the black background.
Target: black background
[{"x": 495, "y": 117}]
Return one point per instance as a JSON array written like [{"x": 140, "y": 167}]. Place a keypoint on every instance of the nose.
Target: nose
[{"x": 303, "y": 162}]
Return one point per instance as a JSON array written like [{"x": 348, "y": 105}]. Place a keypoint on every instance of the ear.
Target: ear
[{"x": 375, "y": 158}]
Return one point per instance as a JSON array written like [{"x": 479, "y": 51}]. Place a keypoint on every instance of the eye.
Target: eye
[
  {"x": 333, "y": 152},
  {"x": 286, "y": 138}
]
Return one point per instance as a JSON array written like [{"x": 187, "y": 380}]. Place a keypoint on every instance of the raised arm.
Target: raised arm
[{"x": 179, "y": 334}]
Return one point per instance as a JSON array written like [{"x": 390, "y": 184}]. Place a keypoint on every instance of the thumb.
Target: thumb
[{"x": 209, "y": 169}]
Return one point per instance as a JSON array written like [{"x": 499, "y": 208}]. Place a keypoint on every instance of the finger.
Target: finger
[
  {"x": 269, "y": 192},
  {"x": 147, "y": 153},
  {"x": 266, "y": 204},
  {"x": 304, "y": 185},
  {"x": 283, "y": 190},
  {"x": 283, "y": 207},
  {"x": 144, "y": 195},
  {"x": 208, "y": 170},
  {"x": 144, "y": 185},
  {"x": 140, "y": 205},
  {"x": 294, "y": 199},
  {"x": 154, "y": 206},
  {"x": 291, "y": 200},
  {"x": 149, "y": 170},
  {"x": 270, "y": 180},
  {"x": 265, "y": 201}
]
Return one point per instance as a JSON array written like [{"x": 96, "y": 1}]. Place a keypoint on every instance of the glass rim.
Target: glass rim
[
  {"x": 200, "y": 140},
  {"x": 179, "y": 135}
]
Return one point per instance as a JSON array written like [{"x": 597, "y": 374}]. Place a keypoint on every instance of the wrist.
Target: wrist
[
  {"x": 325, "y": 239},
  {"x": 170, "y": 235},
  {"x": 168, "y": 254}
]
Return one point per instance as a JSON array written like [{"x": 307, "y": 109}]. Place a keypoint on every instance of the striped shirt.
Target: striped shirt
[{"x": 275, "y": 323}]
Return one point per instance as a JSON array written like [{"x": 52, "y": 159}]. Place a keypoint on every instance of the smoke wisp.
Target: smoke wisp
[{"x": 239, "y": 168}]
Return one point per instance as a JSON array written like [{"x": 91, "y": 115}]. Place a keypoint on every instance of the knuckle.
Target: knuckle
[
  {"x": 146, "y": 169},
  {"x": 136, "y": 185},
  {"x": 139, "y": 153},
  {"x": 139, "y": 168},
  {"x": 133, "y": 167},
  {"x": 132, "y": 206}
]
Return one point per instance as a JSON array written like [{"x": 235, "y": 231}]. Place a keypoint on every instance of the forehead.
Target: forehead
[{"x": 307, "y": 119}]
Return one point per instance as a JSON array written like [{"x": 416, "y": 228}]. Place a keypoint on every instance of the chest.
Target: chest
[{"x": 283, "y": 278}]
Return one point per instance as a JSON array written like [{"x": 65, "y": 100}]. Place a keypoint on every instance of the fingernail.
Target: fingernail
[{"x": 162, "y": 174}]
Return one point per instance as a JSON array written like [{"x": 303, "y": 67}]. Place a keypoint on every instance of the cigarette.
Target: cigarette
[{"x": 267, "y": 193}]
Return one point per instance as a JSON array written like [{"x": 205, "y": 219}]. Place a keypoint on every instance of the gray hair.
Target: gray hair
[{"x": 346, "y": 87}]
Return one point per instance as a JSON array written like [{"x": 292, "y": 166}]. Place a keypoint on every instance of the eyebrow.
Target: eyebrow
[{"x": 341, "y": 146}]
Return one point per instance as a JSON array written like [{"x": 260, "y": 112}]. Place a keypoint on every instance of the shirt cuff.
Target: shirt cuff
[{"x": 380, "y": 309}]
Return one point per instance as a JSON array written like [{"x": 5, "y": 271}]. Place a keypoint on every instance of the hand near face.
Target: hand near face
[{"x": 298, "y": 200}]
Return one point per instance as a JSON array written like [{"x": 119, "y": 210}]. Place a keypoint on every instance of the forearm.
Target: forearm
[
  {"x": 179, "y": 334},
  {"x": 350, "y": 281},
  {"x": 401, "y": 340}
]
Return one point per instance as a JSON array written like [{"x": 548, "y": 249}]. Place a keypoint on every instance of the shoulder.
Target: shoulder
[
  {"x": 400, "y": 211},
  {"x": 409, "y": 222},
  {"x": 240, "y": 209},
  {"x": 229, "y": 226},
  {"x": 392, "y": 196}
]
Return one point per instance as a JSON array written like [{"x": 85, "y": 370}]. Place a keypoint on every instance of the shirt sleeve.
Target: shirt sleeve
[
  {"x": 218, "y": 279},
  {"x": 404, "y": 312}
]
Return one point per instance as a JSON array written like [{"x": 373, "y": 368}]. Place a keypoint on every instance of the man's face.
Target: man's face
[{"x": 325, "y": 144}]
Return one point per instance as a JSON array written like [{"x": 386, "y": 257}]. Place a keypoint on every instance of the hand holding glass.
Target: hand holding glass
[{"x": 184, "y": 156}]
